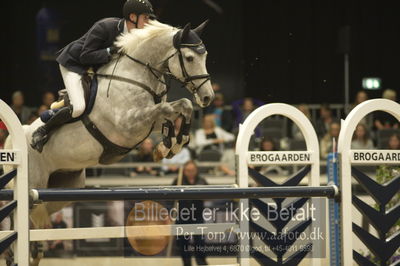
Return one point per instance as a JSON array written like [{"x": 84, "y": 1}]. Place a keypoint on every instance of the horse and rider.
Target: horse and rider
[
  {"x": 93, "y": 49},
  {"x": 134, "y": 58}
]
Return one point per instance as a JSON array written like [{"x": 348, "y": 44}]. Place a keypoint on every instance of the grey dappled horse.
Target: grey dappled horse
[{"x": 131, "y": 102}]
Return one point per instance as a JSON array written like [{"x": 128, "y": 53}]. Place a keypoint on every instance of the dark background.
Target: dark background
[{"x": 277, "y": 51}]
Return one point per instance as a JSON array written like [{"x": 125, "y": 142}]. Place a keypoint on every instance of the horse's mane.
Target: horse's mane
[{"x": 130, "y": 41}]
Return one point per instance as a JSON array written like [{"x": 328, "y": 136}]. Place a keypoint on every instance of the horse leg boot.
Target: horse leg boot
[
  {"x": 41, "y": 135},
  {"x": 163, "y": 148},
  {"x": 183, "y": 137}
]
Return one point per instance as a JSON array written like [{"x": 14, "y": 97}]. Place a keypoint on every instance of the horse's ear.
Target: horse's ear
[
  {"x": 200, "y": 28},
  {"x": 185, "y": 31}
]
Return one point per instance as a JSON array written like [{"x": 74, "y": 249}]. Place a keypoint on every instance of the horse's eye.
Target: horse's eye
[{"x": 189, "y": 58}]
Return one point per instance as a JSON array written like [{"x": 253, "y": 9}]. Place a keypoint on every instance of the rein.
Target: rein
[
  {"x": 157, "y": 97},
  {"x": 159, "y": 74}
]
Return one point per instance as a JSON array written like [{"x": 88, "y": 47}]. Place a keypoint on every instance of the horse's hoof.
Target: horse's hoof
[
  {"x": 157, "y": 155},
  {"x": 160, "y": 152}
]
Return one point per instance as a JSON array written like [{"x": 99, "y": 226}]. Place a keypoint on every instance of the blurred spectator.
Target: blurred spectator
[
  {"x": 180, "y": 158},
  {"x": 48, "y": 98},
  {"x": 42, "y": 108},
  {"x": 390, "y": 95},
  {"x": 3, "y": 134},
  {"x": 361, "y": 139},
  {"x": 268, "y": 144},
  {"x": 243, "y": 107},
  {"x": 394, "y": 142},
  {"x": 361, "y": 96},
  {"x": 324, "y": 121},
  {"x": 228, "y": 165},
  {"x": 326, "y": 143},
  {"x": 145, "y": 154},
  {"x": 228, "y": 162},
  {"x": 58, "y": 223},
  {"x": 216, "y": 87},
  {"x": 191, "y": 177},
  {"x": 212, "y": 137},
  {"x": 19, "y": 108},
  {"x": 296, "y": 133},
  {"x": 33, "y": 116},
  {"x": 223, "y": 118},
  {"x": 384, "y": 120}
]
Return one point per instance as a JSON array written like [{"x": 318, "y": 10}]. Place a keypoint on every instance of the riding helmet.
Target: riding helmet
[{"x": 138, "y": 7}]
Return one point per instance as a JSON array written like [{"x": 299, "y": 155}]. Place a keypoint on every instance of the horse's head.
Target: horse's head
[{"x": 188, "y": 64}]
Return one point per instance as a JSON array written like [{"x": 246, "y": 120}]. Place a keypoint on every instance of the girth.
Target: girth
[{"x": 111, "y": 151}]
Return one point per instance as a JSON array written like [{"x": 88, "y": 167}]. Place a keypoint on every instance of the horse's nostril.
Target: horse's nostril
[{"x": 206, "y": 100}]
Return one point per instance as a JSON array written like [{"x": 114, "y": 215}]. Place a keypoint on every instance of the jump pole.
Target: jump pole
[{"x": 45, "y": 195}]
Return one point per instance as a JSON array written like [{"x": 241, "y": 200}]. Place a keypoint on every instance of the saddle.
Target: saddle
[{"x": 111, "y": 151}]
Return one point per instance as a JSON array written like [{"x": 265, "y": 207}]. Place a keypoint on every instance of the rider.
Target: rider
[{"x": 93, "y": 49}]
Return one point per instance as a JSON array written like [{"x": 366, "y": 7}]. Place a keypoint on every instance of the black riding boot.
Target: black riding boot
[{"x": 41, "y": 135}]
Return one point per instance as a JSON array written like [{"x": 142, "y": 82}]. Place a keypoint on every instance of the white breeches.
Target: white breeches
[{"x": 73, "y": 84}]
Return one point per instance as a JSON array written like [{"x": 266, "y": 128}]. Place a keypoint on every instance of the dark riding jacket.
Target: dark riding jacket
[{"x": 91, "y": 49}]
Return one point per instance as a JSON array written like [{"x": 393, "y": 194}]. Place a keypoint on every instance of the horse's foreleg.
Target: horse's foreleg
[
  {"x": 172, "y": 143},
  {"x": 186, "y": 109}
]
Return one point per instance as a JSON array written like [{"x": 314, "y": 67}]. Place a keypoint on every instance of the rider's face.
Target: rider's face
[{"x": 143, "y": 20}]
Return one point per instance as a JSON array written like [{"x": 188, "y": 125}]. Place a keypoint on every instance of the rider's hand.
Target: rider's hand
[{"x": 113, "y": 50}]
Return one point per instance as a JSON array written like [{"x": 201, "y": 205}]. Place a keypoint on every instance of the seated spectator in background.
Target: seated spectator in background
[
  {"x": 48, "y": 98},
  {"x": 243, "y": 107},
  {"x": 145, "y": 154},
  {"x": 17, "y": 104},
  {"x": 361, "y": 96},
  {"x": 33, "y": 116},
  {"x": 228, "y": 162},
  {"x": 3, "y": 134},
  {"x": 269, "y": 144},
  {"x": 223, "y": 118},
  {"x": 42, "y": 109},
  {"x": 211, "y": 136},
  {"x": 296, "y": 133},
  {"x": 216, "y": 87},
  {"x": 330, "y": 138},
  {"x": 394, "y": 142},
  {"x": 361, "y": 139},
  {"x": 384, "y": 120},
  {"x": 324, "y": 121},
  {"x": 180, "y": 158}
]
